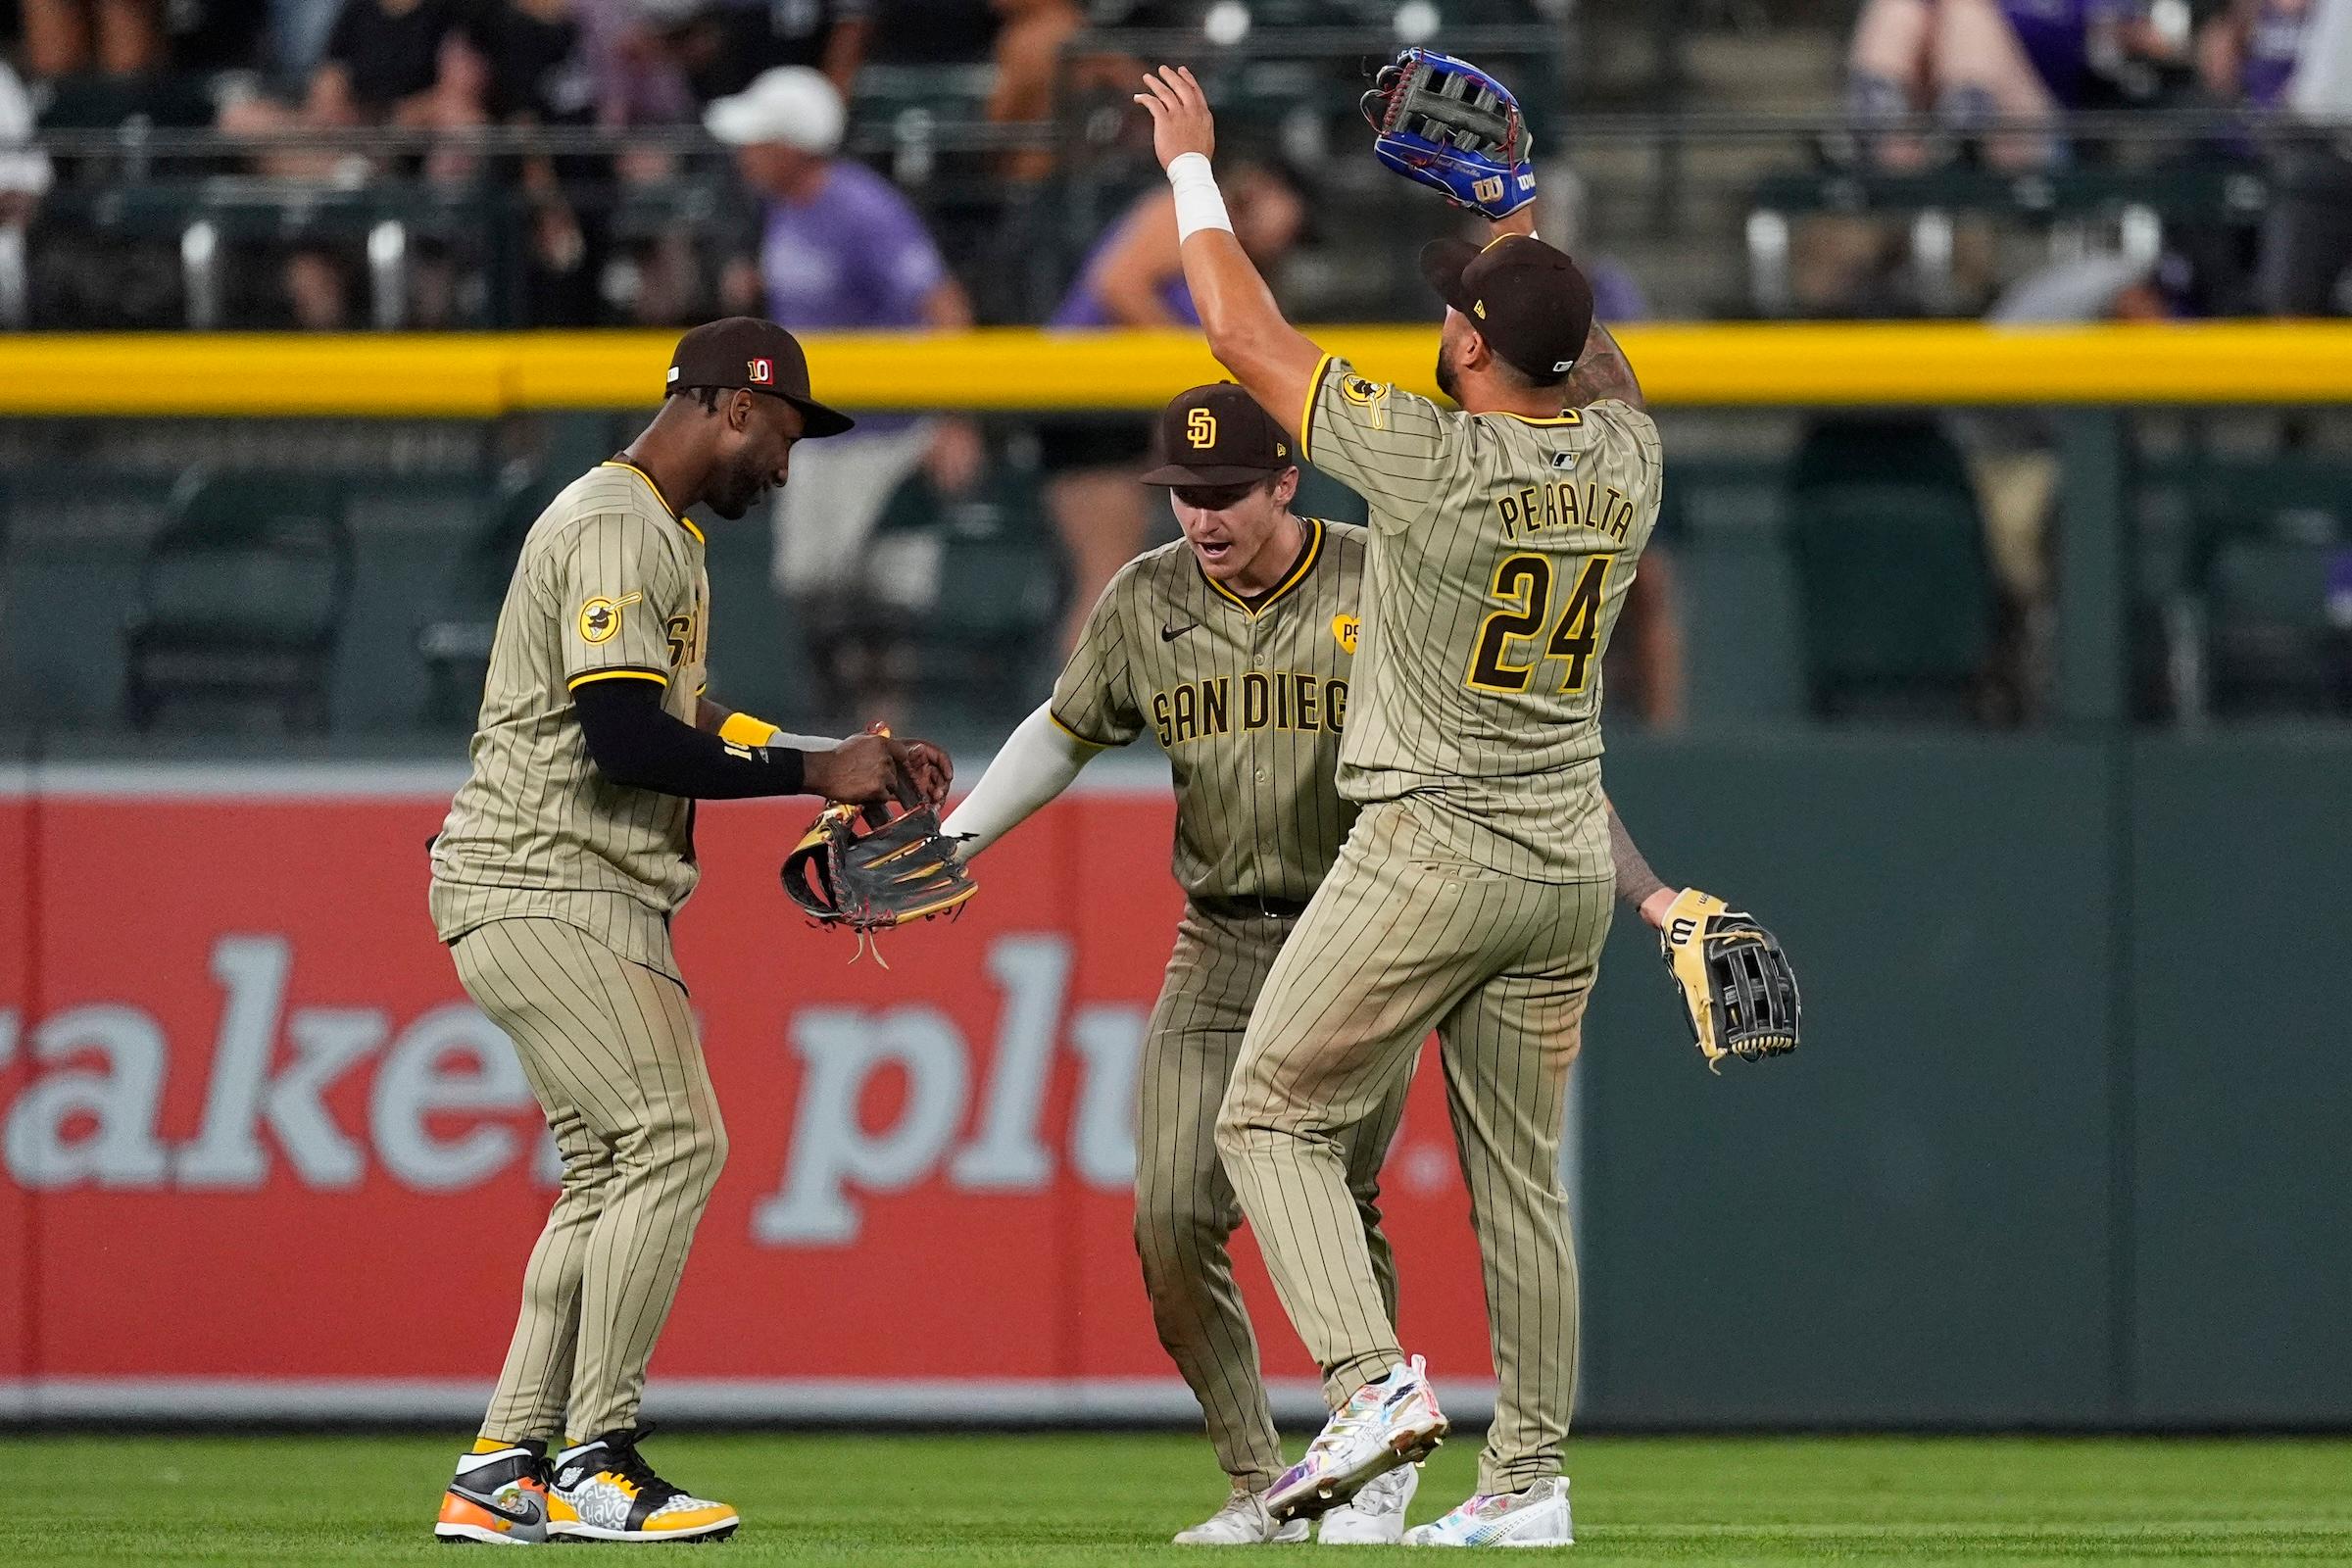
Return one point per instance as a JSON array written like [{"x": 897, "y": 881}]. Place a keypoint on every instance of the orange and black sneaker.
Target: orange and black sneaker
[
  {"x": 498, "y": 1496},
  {"x": 603, "y": 1489}
]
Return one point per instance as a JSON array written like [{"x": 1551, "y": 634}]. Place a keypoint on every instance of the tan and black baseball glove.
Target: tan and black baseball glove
[
  {"x": 869, "y": 868},
  {"x": 1737, "y": 990}
]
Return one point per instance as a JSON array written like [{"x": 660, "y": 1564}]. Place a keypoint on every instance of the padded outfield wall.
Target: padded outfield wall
[{"x": 2065, "y": 1146}]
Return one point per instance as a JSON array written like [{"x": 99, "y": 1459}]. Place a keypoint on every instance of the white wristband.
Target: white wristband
[{"x": 1199, "y": 203}]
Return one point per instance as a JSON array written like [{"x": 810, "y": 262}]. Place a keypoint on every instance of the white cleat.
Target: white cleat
[
  {"x": 1242, "y": 1522},
  {"x": 1375, "y": 1515},
  {"x": 1392, "y": 1422},
  {"x": 1536, "y": 1517}
]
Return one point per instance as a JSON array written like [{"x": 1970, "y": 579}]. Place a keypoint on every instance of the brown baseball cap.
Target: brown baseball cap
[
  {"x": 1218, "y": 434},
  {"x": 742, "y": 351},
  {"x": 1527, "y": 298}
]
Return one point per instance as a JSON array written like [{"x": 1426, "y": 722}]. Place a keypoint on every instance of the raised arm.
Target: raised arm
[
  {"x": 1601, "y": 372},
  {"x": 1246, "y": 330}
]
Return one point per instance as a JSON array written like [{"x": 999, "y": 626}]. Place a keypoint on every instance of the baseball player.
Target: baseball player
[
  {"x": 554, "y": 879},
  {"x": 1474, "y": 891},
  {"x": 1233, "y": 648}
]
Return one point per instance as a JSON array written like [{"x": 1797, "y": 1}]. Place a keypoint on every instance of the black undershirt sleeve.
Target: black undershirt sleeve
[
  {"x": 1635, "y": 881},
  {"x": 634, "y": 743}
]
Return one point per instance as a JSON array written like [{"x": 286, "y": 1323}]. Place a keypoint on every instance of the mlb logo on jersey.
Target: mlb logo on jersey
[
  {"x": 762, "y": 372},
  {"x": 1563, "y": 460}
]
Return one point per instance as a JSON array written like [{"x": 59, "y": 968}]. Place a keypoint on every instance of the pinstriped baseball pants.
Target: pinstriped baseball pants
[
  {"x": 610, "y": 1050},
  {"x": 1185, "y": 1210},
  {"x": 1400, "y": 939}
]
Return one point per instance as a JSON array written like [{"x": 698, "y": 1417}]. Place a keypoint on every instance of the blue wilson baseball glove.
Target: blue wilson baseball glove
[{"x": 1446, "y": 124}]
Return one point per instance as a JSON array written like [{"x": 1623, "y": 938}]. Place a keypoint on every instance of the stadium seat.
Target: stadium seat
[
  {"x": 1001, "y": 592},
  {"x": 241, "y": 602},
  {"x": 1896, "y": 588},
  {"x": 2274, "y": 557},
  {"x": 455, "y": 644}
]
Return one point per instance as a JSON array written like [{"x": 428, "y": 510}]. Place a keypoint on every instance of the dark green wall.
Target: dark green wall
[{"x": 2064, "y": 1141}]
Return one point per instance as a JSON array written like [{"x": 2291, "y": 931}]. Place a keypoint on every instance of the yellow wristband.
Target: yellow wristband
[{"x": 742, "y": 729}]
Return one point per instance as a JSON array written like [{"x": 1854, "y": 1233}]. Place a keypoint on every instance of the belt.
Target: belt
[{"x": 1250, "y": 906}]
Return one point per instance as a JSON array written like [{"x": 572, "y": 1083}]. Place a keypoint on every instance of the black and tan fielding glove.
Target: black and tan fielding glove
[
  {"x": 870, "y": 869},
  {"x": 1737, "y": 990}
]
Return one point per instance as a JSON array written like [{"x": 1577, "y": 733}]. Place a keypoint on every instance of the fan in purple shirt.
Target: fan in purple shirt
[
  {"x": 837, "y": 248},
  {"x": 1133, "y": 278}
]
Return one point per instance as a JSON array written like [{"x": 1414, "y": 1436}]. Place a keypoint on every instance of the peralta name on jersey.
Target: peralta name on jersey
[{"x": 1560, "y": 504}]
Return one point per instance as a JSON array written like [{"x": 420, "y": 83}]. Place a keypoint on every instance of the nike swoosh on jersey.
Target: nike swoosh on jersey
[
  {"x": 529, "y": 1514},
  {"x": 1168, "y": 634}
]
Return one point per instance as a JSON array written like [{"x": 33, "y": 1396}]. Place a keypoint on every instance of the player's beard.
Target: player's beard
[
  {"x": 734, "y": 495},
  {"x": 1447, "y": 382}
]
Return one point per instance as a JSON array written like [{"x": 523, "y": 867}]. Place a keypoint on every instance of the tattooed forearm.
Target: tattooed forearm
[
  {"x": 1601, "y": 372},
  {"x": 1635, "y": 881}
]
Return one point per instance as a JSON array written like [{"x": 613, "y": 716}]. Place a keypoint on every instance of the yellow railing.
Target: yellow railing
[{"x": 473, "y": 375}]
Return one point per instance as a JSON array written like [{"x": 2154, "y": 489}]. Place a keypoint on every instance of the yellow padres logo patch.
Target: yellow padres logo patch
[
  {"x": 1344, "y": 628},
  {"x": 600, "y": 618},
  {"x": 1355, "y": 389},
  {"x": 1200, "y": 428}
]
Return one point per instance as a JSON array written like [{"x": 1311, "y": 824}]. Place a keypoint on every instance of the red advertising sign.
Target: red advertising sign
[{"x": 261, "y": 1156}]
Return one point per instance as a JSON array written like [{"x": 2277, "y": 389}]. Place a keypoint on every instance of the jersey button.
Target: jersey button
[{"x": 1261, "y": 776}]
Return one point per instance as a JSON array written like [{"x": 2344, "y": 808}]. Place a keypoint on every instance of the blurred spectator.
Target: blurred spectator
[
  {"x": 211, "y": 35},
  {"x": 298, "y": 31},
  {"x": 638, "y": 80},
  {"x": 24, "y": 176},
  {"x": 1970, "y": 61},
  {"x": 25, "y": 171},
  {"x": 386, "y": 63},
  {"x": 1133, "y": 279},
  {"x": 2246, "y": 54},
  {"x": 725, "y": 45},
  {"x": 68, "y": 37},
  {"x": 541, "y": 69},
  {"x": 838, "y": 248},
  {"x": 1029, "y": 67},
  {"x": 402, "y": 62},
  {"x": 2305, "y": 267}
]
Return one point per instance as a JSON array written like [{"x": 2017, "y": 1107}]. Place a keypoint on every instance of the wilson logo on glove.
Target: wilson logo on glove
[
  {"x": 1738, "y": 994},
  {"x": 1448, "y": 124}
]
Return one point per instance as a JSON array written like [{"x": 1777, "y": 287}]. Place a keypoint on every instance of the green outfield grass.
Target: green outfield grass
[{"x": 1062, "y": 1501}]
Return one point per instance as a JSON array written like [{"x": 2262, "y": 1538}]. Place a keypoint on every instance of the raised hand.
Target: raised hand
[{"x": 1180, "y": 119}]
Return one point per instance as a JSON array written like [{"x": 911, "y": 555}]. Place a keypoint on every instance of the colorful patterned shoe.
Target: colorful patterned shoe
[
  {"x": 1392, "y": 1422},
  {"x": 498, "y": 1498},
  {"x": 1536, "y": 1517},
  {"x": 1241, "y": 1522},
  {"x": 604, "y": 1491}
]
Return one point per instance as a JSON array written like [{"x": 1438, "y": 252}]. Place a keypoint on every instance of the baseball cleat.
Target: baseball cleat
[
  {"x": 498, "y": 1498},
  {"x": 603, "y": 1489},
  {"x": 1536, "y": 1517},
  {"x": 1392, "y": 1422},
  {"x": 1375, "y": 1515},
  {"x": 1242, "y": 1522}
]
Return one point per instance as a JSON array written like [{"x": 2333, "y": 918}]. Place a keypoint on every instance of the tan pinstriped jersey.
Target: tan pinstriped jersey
[
  {"x": 1501, "y": 551},
  {"x": 609, "y": 586},
  {"x": 1249, "y": 705}
]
